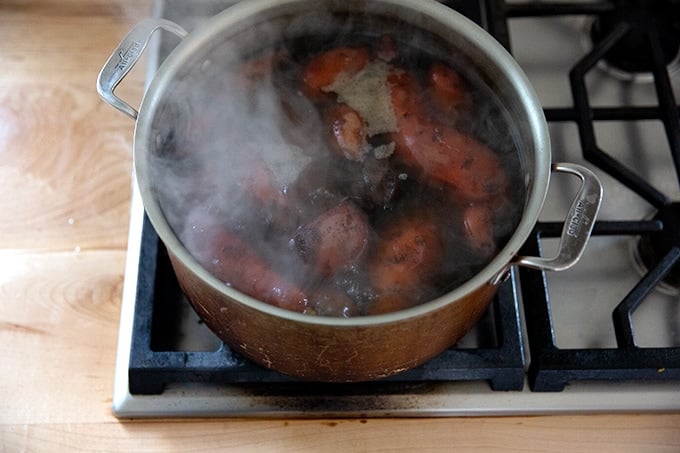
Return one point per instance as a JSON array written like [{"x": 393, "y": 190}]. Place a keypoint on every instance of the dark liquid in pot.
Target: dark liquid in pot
[{"x": 386, "y": 188}]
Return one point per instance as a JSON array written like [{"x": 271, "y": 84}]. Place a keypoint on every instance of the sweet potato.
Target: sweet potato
[
  {"x": 334, "y": 239},
  {"x": 233, "y": 261},
  {"x": 408, "y": 252},
  {"x": 440, "y": 153},
  {"x": 325, "y": 68}
]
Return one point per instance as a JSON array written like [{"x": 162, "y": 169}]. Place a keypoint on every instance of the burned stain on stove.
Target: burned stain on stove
[{"x": 322, "y": 399}]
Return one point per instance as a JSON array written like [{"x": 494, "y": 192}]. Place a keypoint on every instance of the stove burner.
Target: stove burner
[
  {"x": 654, "y": 249},
  {"x": 639, "y": 24}
]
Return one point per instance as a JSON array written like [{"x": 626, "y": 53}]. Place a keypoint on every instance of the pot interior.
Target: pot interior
[{"x": 199, "y": 104}]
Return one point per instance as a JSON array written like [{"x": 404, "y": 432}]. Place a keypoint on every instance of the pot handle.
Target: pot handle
[
  {"x": 577, "y": 227},
  {"x": 123, "y": 59}
]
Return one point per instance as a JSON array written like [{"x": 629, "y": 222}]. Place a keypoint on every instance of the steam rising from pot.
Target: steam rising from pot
[{"x": 248, "y": 172}]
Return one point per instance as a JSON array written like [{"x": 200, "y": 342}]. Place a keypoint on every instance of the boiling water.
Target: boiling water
[{"x": 247, "y": 151}]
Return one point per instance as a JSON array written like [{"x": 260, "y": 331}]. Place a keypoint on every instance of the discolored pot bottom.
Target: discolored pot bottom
[{"x": 333, "y": 352}]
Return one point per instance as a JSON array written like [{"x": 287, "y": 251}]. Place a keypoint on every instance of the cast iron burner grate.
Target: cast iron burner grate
[
  {"x": 551, "y": 367},
  {"x": 497, "y": 357},
  {"x": 637, "y": 25}
]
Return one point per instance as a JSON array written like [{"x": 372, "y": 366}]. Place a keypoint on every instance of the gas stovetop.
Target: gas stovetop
[{"x": 602, "y": 336}]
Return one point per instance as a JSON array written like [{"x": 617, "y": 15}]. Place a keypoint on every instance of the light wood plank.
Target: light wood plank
[
  {"x": 595, "y": 433},
  {"x": 58, "y": 330}
]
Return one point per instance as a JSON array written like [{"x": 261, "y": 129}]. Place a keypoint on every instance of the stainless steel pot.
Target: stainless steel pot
[{"x": 362, "y": 348}]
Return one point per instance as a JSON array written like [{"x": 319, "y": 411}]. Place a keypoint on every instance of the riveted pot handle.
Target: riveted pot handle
[
  {"x": 578, "y": 225},
  {"x": 123, "y": 59}
]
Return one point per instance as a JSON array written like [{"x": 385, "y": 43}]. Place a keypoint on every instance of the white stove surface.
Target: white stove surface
[
  {"x": 582, "y": 298},
  {"x": 606, "y": 274}
]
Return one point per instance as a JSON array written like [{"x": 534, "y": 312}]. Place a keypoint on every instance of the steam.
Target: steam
[
  {"x": 230, "y": 151},
  {"x": 240, "y": 146}
]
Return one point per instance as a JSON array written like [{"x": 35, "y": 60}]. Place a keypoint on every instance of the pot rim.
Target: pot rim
[{"x": 479, "y": 39}]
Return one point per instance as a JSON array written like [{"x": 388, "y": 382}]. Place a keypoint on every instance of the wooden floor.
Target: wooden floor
[{"x": 65, "y": 163}]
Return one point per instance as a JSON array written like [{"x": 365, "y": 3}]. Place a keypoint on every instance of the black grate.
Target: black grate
[{"x": 551, "y": 367}]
